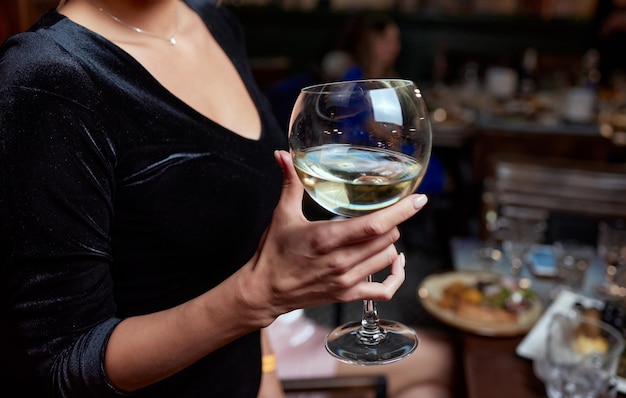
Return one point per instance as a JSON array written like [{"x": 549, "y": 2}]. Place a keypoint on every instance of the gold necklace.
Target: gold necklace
[{"x": 171, "y": 39}]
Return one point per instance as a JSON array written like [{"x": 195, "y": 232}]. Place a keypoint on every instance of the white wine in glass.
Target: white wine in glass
[{"x": 360, "y": 146}]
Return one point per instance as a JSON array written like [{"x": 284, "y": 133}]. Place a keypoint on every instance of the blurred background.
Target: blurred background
[{"x": 531, "y": 89}]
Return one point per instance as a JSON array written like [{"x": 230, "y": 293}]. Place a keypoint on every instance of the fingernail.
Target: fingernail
[
  {"x": 403, "y": 259},
  {"x": 420, "y": 201}
]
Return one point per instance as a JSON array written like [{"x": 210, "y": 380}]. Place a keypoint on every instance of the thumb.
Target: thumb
[{"x": 292, "y": 187}]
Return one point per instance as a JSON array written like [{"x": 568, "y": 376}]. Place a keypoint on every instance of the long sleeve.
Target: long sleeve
[
  {"x": 118, "y": 199},
  {"x": 55, "y": 212}
]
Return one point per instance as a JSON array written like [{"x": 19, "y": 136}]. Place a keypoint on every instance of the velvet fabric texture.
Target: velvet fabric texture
[{"x": 118, "y": 199}]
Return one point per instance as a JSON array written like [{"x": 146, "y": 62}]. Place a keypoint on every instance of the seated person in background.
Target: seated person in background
[
  {"x": 369, "y": 48},
  {"x": 298, "y": 343},
  {"x": 372, "y": 41}
]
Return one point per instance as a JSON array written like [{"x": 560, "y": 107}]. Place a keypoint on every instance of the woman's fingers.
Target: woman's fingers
[
  {"x": 292, "y": 187},
  {"x": 384, "y": 291},
  {"x": 378, "y": 223},
  {"x": 380, "y": 291}
]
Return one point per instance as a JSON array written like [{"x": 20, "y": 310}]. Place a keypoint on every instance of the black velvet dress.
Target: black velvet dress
[{"x": 117, "y": 199}]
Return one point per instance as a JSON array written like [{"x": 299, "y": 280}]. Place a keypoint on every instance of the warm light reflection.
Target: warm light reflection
[
  {"x": 525, "y": 283},
  {"x": 440, "y": 115},
  {"x": 606, "y": 130},
  {"x": 491, "y": 216},
  {"x": 619, "y": 138}
]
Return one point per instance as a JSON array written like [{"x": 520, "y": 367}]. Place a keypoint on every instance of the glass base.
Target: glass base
[{"x": 391, "y": 342}]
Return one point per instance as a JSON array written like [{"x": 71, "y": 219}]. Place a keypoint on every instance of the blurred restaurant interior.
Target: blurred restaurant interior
[
  {"x": 527, "y": 100},
  {"x": 499, "y": 76}
]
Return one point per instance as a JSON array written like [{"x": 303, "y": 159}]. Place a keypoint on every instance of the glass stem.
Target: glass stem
[{"x": 370, "y": 333}]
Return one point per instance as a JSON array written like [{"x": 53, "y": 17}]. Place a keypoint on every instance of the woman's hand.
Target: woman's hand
[{"x": 300, "y": 263}]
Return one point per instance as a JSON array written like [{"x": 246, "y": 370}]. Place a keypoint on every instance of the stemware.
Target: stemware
[
  {"x": 612, "y": 252},
  {"x": 581, "y": 357},
  {"x": 360, "y": 146}
]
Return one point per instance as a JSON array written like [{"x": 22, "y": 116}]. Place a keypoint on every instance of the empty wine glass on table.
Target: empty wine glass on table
[
  {"x": 581, "y": 357},
  {"x": 572, "y": 259},
  {"x": 360, "y": 146},
  {"x": 612, "y": 252},
  {"x": 518, "y": 236}
]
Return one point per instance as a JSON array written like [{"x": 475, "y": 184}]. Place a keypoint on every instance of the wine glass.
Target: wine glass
[
  {"x": 360, "y": 146},
  {"x": 612, "y": 252}
]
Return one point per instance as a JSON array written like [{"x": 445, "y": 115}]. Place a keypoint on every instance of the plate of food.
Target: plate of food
[{"x": 480, "y": 302}]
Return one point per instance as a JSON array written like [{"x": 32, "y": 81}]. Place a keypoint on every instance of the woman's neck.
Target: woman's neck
[{"x": 150, "y": 18}]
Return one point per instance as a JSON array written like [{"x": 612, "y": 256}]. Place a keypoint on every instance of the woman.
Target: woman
[
  {"x": 150, "y": 217},
  {"x": 373, "y": 43}
]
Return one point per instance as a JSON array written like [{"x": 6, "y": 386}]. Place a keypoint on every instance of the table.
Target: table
[
  {"x": 492, "y": 370},
  {"x": 491, "y": 367}
]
